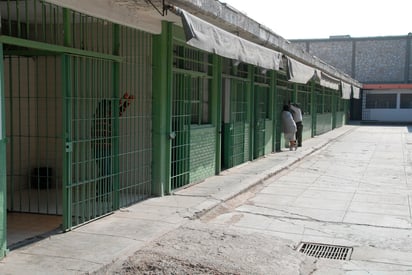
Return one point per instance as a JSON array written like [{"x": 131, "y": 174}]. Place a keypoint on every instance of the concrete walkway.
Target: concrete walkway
[
  {"x": 356, "y": 192},
  {"x": 117, "y": 236}
]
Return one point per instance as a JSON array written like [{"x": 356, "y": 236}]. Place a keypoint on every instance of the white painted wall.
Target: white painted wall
[{"x": 387, "y": 115}]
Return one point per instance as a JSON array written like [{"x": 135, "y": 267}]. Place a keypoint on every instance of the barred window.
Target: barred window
[
  {"x": 381, "y": 101},
  {"x": 200, "y": 101},
  {"x": 303, "y": 98},
  {"x": 406, "y": 101},
  {"x": 320, "y": 103},
  {"x": 327, "y": 103}
]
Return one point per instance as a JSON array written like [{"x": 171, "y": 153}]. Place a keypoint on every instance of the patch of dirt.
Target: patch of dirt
[{"x": 199, "y": 248}]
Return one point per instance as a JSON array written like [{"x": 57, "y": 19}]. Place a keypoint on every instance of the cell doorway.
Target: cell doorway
[{"x": 33, "y": 108}]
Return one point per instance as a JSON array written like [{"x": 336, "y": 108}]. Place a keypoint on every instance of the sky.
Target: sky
[{"x": 304, "y": 19}]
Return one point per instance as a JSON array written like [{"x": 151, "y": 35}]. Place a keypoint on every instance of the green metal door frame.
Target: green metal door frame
[
  {"x": 216, "y": 108},
  {"x": 161, "y": 107},
  {"x": 313, "y": 110},
  {"x": 334, "y": 108},
  {"x": 3, "y": 170},
  {"x": 274, "y": 111},
  {"x": 261, "y": 97},
  {"x": 116, "y": 93},
  {"x": 251, "y": 109},
  {"x": 67, "y": 109},
  {"x": 68, "y": 78}
]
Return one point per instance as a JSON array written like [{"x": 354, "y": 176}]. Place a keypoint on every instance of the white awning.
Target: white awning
[
  {"x": 299, "y": 72},
  {"x": 356, "y": 92},
  {"x": 142, "y": 19},
  {"x": 346, "y": 90},
  {"x": 207, "y": 37},
  {"x": 328, "y": 81}
]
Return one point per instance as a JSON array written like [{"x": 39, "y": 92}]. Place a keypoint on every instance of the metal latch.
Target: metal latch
[{"x": 69, "y": 147}]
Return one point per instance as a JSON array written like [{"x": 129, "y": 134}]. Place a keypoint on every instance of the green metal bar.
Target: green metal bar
[
  {"x": 20, "y": 163},
  {"x": 334, "y": 109},
  {"x": 56, "y": 48},
  {"x": 35, "y": 19},
  {"x": 56, "y": 135},
  {"x": 47, "y": 134},
  {"x": 18, "y": 18},
  {"x": 251, "y": 110},
  {"x": 115, "y": 91},
  {"x": 28, "y": 126},
  {"x": 274, "y": 110},
  {"x": 3, "y": 168},
  {"x": 11, "y": 87},
  {"x": 216, "y": 108},
  {"x": 162, "y": 77},
  {"x": 67, "y": 129},
  {"x": 314, "y": 110}
]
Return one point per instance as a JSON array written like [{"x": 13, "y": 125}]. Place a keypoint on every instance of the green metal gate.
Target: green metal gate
[
  {"x": 73, "y": 149},
  {"x": 181, "y": 119},
  {"x": 324, "y": 109},
  {"x": 304, "y": 99},
  {"x": 92, "y": 139},
  {"x": 235, "y": 126},
  {"x": 190, "y": 96},
  {"x": 261, "y": 114}
]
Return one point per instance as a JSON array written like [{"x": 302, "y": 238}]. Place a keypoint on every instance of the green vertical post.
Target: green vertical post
[
  {"x": 346, "y": 107},
  {"x": 216, "y": 108},
  {"x": 274, "y": 110},
  {"x": 161, "y": 106},
  {"x": 3, "y": 170},
  {"x": 115, "y": 91},
  {"x": 313, "y": 109},
  {"x": 67, "y": 146},
  {"x": 334, "y": 109},
  {"x": 251, "y": 110}
]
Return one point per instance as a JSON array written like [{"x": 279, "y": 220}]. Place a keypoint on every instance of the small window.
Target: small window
[
  {"x": 406, "y": 101},
  {"x": 381, "y": 101}
]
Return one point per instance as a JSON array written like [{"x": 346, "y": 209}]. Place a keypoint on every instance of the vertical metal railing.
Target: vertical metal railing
[
  {"x": 94, "y": 111},
  {"x": 181, "y": 120},
  {"x": 35, "y": 118},
  {"x": 3, "y": 163},
  {"x": 135, "y": 128},
  {"x": 261, "y": 114},
  {"x": 261, "y": 111},
  {"x": 238, "y": 120},
  {"x": 192, "y": 71}
]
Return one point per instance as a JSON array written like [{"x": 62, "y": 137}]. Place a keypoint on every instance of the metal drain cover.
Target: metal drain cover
[{"x": 325, "y": 251}]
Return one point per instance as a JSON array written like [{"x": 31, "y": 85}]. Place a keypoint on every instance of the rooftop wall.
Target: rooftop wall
[{"x": 369, "y": 60}]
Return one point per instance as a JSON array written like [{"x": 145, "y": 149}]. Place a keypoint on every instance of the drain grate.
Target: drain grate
[{"x": 326, "y": 251}]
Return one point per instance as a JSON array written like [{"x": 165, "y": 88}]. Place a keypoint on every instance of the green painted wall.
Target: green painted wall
[
  {"x": 202, "y": 153},
  {"x": 307, "y": 127},
  {"x": 340, "y": 119},
  {"x": 323, "y": 123}
]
